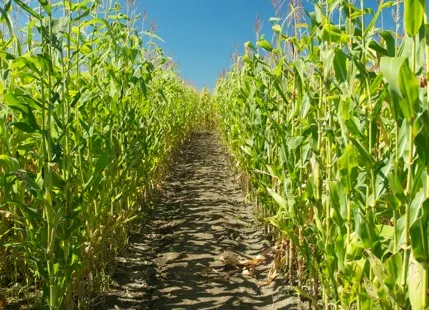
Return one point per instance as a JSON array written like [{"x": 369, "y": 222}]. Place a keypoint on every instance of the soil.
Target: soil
[{"x": 172, "y": 260}]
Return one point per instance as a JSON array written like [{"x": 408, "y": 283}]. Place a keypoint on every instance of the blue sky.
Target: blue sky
[{"x": 201, "y": 35}]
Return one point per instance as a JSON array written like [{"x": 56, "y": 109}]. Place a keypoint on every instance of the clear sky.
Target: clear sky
[{"x": 201, "y": 35}]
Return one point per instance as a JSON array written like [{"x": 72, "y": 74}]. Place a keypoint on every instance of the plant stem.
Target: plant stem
[{"x": 407, "y": 209}]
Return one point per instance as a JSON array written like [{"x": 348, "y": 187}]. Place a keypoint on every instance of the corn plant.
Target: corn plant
[
  {"x": 329, "y": 120},
  {"x": 90, "y": 109}
]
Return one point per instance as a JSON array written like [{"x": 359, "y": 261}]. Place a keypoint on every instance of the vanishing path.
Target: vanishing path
[{"x": 173, "y": 261}]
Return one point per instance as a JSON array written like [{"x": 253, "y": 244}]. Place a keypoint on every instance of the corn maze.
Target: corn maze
[{"x": 327, "y": 120}]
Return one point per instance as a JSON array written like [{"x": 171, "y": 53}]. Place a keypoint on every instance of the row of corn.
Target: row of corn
[
  {"x": 90, "y": 108},
  {"x": 330, "y": 121}
]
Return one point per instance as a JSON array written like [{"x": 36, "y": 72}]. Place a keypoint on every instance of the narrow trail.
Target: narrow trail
[{"x": 173, "y": 261}]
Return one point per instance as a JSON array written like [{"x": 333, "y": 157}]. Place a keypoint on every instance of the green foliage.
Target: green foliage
[
  {"x": 330, "y": 125},
  {"x": 88, "y": 115}
]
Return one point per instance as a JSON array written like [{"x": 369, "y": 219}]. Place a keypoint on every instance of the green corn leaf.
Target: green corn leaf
[
  {"x": 80, "y": 5},
  {"x": 386, "y": 231},
  {"x": 415, "y": 283},
  {"x": 390, "y": 42},
  {"x": 376, "y": 47},
  {"x": 340, "y": 66},
  {"x": 349, "y": 160},
  {"x": 403, "y": 82},
  {"x": 279, "y": 90},
  {"x": 102, "y": 163},
  {"x": 281, "y": 201},
  {"x": 395, "y": 106},
  {"x": 7, "y": 6},
  {"x": 377, "y": 267},
  {"x": 413, "y": 16},
  {"x": 389, "y": 4},
  {"x": 348, "y": 164},
  {"x": 338, "y": 202},
  {"x": 30, "y": 26},
  {"x": 375, "y": 85},
  {"x": 331, "y": 33},
  {"x": 6, "y": 18},
  {"x": 294, "y": 142},
  {"x": 23, "y": 126},
  {"x": 6, "y": 56},
  {"x": 46, "y": 6},
  {"x": 10, "y": 162},
  {"x": 394, "y": 267},
  {"x": 369, "y": 29},
  {"x": 277, "y": 29},
  {"x": 396, "y": 187},
  {"x": 85, "y": 13},
  {"x": 60, "y": 25},
  {"x": 25, "y": 62},
  {"x": 153, "y": 35},
  {"x": 300, "y": 68},
  {"x": 28, "y": 9},
  {"x": 353, "y": 129},
  {"x": 249, "y": 45},
  {"x": 31, "y": 102},
  {"x": 57, "y": 180},
  {"x": 264, "y": 44},
  {"x": 327, "y": 57},
  {"x": 390, "y": 67},
  {"x": 369, "y": 160},
  {"x": 28, "y": 123},
  {"x": 365, "y": 228},
  {"x": 29, "y": 213},
  {"x": 419, "y": 232},
  {"x": 13, "y": 102},
  {"x": 410, "y": 92}
]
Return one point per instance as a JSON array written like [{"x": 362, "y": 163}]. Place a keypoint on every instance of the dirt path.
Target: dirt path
[{"x": 173, "y": 261}]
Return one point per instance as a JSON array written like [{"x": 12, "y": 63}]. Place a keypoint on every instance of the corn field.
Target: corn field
[
  {"x": 330, "y": 121},
  {"x": 90, "y": 110}
]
